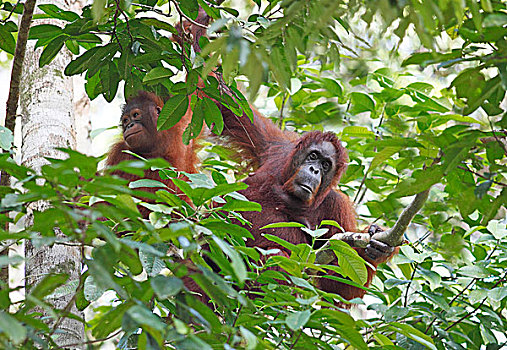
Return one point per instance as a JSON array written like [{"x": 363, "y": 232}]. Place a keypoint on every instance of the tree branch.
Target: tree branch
[
  {"x": 17, "y": 64},
  {"x": 392, "y": 236}
]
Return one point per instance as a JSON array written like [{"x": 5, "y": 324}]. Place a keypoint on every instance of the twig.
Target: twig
[
  {"x": 481, "y": 176},
  {"x": 186, "y": 17},
  {"x": 280, "y": 117},
  {"x": 149, "y": 8},
  {"x": 95, "y": 340},
  {"x": 361, "y": 185},
  {"x": 496, "y": 137},
  {"x": 17, "y": 64},
  {"x": 464, "y": 289},
  {"x": 115, "y": 23},
  {"x": 296, "y": 340},
  {"x": 475, "y": 309},
  {"x": 10, "y": 13},
  {"x": 409, "y": 284},
  {"x": 118, "y": 7}
]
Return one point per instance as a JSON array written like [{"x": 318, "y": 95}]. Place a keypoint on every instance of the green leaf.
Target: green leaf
[
  {"x": 147, "y": 183},
  {"x": 280, "y": 66},
  {"x": 12, "y": 328},
  {"x": 47, "y": 285},
  {"x": 350, "y": 262},
  {"x": 497, "y": 228},
  {"x": 297, "y": 320},
  {"x": 239, "y": 205},
  {"x": 357, "y": 131},
  {"x": 475, "y": 271},
  {"x": 44, "y": 31},
  {"x": 331, "y": 223},
  {"x": 143, "y": 316},
  {"x": 157, "y": 74},
  {"x": 302, "y": 283},
  {"x": 130, "y": 257},
  {"x": 194, "y": 128},
  {"x": 6, "y": 138},
  {"x": 109, "y": 78},
  {"x": 420, "y": 181},
  {"x": 98, "y": 9},
  {"x": 249, "y": 337},
  {"x": 72, "y": 46},
  {"x": 413, "y": 333},
  {"x": 361, "y": 103},
  {"x": 56, "y": 12},
  {"x": 172, "y": 112},
  {"x": 237, "y": 263},
  {"x": 7, "y": 42},
  {"x": 166, "y": 287},
  {"x": 283, "y": 224},
  {"x": 159, "y": 25},
  {"x": 80, "y": 64},
  {"x": 51, "y": 50},
  {"x": 212, "y": 116},
  {"x": 281, "y": 242},
  {"x": 333, "y": 87},
  {"x": 382, "y": 156},
  {"x": 190, "y": 8}
]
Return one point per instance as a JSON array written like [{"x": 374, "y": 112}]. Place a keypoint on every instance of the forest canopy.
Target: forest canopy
[{"x": 414, "y": 90}]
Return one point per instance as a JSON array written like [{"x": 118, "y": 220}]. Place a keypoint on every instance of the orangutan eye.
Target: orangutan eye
[
  {"x": 313, "y": 156},
  {"x": 135, "y": 114},
  {"x": 326, "y": 165}
]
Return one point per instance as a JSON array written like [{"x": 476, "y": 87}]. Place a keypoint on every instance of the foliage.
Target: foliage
[{"x": 446, "y": 289}]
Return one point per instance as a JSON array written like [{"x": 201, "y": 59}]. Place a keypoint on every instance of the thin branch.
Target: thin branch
[
  {"x": 17, "y": 64},
  {"x": 115, "y": 24},
  {"x": 296, "y": 340},
  {"x": 186, "y": 17},
  {"x": 496, "y": 137},
  {"x": 472, "y": 282},
  {"x": 118, "y": 7},
  {"x": 409, "y": 284},
  {"x": 280, "y": 117},
  {"x": 12, "y": 100},
  {"x": 476, "y": 308},
  {"x": 95, "y": 340},
  {"x": 10, "y": 13},
  {"x": 481, "y": 176},
  {"x": 149, "y": 8},
  {"x": 361, "y": 185},
  {"x": 392, "y": 237}
]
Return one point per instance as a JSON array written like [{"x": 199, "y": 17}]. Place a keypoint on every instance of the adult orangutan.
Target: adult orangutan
[
  {"x": 140, "y": 135},
  {"x": 294, "y": 179}
]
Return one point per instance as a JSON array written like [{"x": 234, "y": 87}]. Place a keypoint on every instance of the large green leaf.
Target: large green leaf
[
  {"x": 51, "y": 50},
  {"x": 7, "y": 42},
  {"x": 172, "y": 112},
  {"x": 350, "y": 262},
  {"x": 12, "y": 328}
]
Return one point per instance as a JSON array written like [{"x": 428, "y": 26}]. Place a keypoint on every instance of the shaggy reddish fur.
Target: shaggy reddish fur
[
  {"x": 272, "y": 153},
  {"x": 169, "y": 147}
]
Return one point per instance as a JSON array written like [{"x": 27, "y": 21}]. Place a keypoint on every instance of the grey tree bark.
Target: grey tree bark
[{"x": 47, "y": 122}]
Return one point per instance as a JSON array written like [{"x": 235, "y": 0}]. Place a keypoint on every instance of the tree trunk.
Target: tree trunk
[{"x": 47, "y": 122}]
